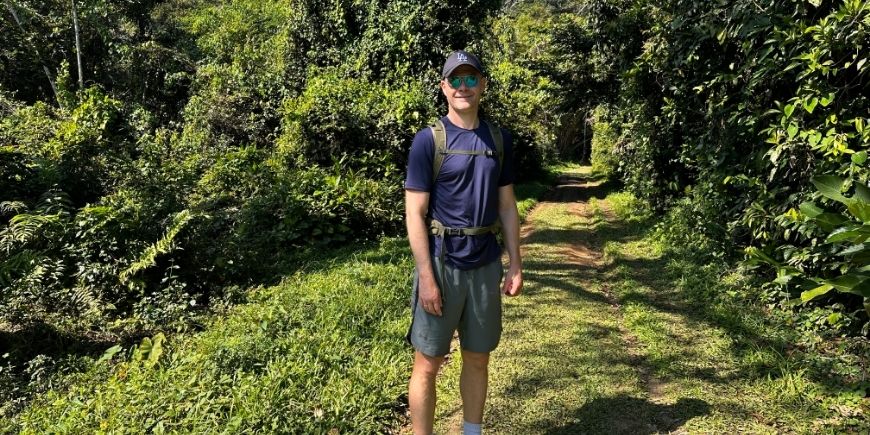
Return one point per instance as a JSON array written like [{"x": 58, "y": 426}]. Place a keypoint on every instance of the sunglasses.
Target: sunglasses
[{"x": 456, "y": 81}]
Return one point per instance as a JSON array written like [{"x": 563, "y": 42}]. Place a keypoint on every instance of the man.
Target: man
[{"x": 451, "y": 217}]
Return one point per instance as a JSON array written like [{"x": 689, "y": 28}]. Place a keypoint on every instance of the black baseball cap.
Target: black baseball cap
[{"x": 459, "y": 58}]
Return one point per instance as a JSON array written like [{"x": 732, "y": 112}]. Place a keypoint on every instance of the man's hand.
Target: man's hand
[
  {"x": 513, "y": 283},
  {"x": 429, "y": 296}
]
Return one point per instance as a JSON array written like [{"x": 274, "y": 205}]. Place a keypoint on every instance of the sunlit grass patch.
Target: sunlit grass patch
[
  {"x": 628, "y": 208},
  {"x": 635, "y": 249},
  {"x": 323, "y": 350},
  {"x": 561, "y": 347},
  {"x": 527, "y": 196}
]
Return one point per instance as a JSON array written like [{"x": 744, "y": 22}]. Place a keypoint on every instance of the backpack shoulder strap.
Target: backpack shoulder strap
[
  {"x": 440, "y": 135},
  {"x": 495, "y": 132}
]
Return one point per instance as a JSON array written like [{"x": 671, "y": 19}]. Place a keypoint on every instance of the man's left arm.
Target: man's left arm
[{"x": 510, "y": 222}]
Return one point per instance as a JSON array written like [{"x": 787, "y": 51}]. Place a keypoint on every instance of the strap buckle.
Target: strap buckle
[
  {"x": 452, "y": 231},
  {"x": 491, "y": 153}
]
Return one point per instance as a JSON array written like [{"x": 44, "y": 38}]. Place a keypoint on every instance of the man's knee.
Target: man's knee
[
  {"x": 475, "y": 360},
  {"x": 427, "y": 365}
]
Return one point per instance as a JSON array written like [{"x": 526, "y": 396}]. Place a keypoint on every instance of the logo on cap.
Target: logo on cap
[{"x": 461, "y": 57}]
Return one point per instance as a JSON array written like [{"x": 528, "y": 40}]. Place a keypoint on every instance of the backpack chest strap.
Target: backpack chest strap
[
  {"x": 488, "y": 153},
  {"x": 439, "y": 133}
]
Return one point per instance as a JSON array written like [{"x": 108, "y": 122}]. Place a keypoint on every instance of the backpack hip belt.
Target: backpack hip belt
[{"x": 438, "y": 229}]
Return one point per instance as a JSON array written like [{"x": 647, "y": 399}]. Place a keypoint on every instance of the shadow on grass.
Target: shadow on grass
[
  {"x": 631, "y": 415},
  {"x": 25, "y": 343},
  {"x": 31, "y": 356},
  {"x": 575, "y": 188},
  {"x": 657, "y": 290}
]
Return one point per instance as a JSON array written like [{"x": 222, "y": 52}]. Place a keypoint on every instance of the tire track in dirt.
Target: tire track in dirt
[{"x": 577, "y": 191}]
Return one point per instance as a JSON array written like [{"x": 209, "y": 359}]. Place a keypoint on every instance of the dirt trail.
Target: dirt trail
[{"x": 565, "y": 345}]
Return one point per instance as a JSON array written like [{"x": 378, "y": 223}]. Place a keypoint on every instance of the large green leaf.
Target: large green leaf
[
  {"x": 862, "y": 192},
  {"x": 757, "y": 255},
  {"x": 851, "y": 282},
  {"x": 861, "y": 258},
  {"x": 830, "y": 221},
  {"x": 854, "y": 249},
  {"x": 850, "y": 233},
  {"x": 830, "y": 186},
  {"x": 816, "y": 292},
  {"x": 862, "y": 289},
  {"x": 859, "y": 209},
  {"x": 810, "y": 209}
]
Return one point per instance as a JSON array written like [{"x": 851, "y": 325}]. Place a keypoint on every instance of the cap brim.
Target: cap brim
[{"x": 447, "y": 74}]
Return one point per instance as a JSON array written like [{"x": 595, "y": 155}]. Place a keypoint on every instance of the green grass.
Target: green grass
[
  {"x": 701, "y": 340},
  {"x": 646, "y": 341},
  {"x": 561, "y": 345},
  {"x": 324, "y": 350},
  {"x": 636, "y": 341},
  {"x": 527, "y": 196}
]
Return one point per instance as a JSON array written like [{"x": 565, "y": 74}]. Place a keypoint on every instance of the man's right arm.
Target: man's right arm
[{"x": 416, "y": 208}]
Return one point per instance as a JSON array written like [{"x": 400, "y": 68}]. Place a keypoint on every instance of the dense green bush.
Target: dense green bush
[
  {"x": 521, "y": 93},
  {"x": 207, "y": 147},
  {"x": 210, "y": 146},
  {"x": 726, "y": 113},
  {"x": 340, "y": 116},
  {"x": 605, "y": 140}
]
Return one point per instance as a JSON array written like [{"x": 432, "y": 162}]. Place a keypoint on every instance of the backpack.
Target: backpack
[{"x": 440, "y": 135}]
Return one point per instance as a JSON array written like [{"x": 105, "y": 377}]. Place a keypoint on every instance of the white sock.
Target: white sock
[{"x": 470, "y": 428}]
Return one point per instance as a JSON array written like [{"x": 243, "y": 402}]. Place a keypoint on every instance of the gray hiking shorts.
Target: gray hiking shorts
[{"x": 471, "y": 304}]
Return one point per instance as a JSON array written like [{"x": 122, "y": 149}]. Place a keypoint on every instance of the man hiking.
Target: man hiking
[{"x": 458, "y": 195}]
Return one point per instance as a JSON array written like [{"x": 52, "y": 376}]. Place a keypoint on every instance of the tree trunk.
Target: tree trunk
[
  {"x": 35, "y": 49},
  {"x": 75, "y": 15}
]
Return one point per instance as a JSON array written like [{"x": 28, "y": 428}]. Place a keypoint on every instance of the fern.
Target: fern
[
  {"x": 12, "y": 207},
  {"x": 84, "y": 300},
  {"x": 36, "y": 292},
  {"x": 24, "y": 228},
  {"x": 163, "y": 246},
  {"x": 19, "y": 263}
]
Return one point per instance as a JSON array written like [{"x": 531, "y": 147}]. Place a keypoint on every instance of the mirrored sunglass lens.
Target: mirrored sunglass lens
[
  {"x": 455, "y": 82},
  {"x": 471, "y": 81}
]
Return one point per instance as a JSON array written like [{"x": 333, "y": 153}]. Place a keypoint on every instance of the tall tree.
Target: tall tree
[{"x": 78, "y": 42}]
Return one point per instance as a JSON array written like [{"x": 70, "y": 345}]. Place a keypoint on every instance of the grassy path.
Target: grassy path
[{"x": 611, "y": 336}]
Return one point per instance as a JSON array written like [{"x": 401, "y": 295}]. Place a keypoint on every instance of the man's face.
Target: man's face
[{"x": 464, "y": 99}]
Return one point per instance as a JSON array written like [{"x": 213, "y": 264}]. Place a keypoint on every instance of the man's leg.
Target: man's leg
[
  {"x": 421, "y": 392},
  {"x": 472, "y": 385}
]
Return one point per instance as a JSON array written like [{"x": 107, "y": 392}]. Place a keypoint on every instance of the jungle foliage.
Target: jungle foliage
[
  {"x": 202, "y": 148},
  {"x": 744, "y": 124},
  {"x": 209, "y": 147},
  {"x": 206, "y": 147}
]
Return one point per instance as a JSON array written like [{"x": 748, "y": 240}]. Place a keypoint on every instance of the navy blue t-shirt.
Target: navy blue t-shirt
[{"x": 466, "y": 192}]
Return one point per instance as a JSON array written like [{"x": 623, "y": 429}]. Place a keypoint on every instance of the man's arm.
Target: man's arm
[
  {"x": 416, "y": 207},
  {"x": 510, "y": 222}
]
